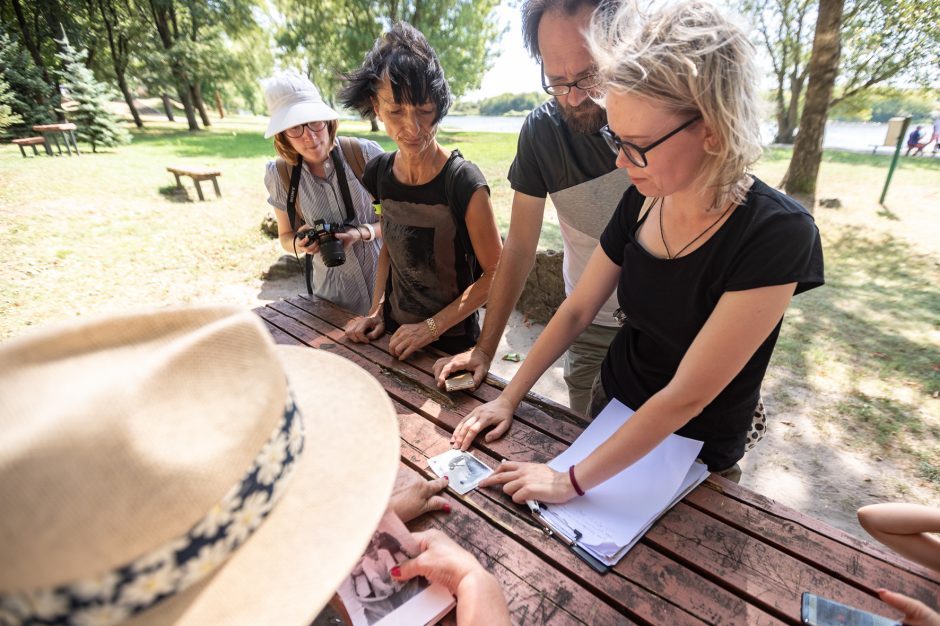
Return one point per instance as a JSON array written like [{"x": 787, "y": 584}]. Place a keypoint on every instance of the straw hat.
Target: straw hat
[
  {"x": 292, "y": 100},
  {"x": 182, "y": 455}
]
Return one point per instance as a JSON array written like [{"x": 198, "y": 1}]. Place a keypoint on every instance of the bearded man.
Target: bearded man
[{"x": 560, "y": 153}]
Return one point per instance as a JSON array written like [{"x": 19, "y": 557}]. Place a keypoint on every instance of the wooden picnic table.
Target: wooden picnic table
[
  {"x": 67, "y": 130},
  {"x": 723, "y": 555}
]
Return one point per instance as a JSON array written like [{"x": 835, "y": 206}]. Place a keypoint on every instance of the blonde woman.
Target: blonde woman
[{"x": 703, "y": 256}]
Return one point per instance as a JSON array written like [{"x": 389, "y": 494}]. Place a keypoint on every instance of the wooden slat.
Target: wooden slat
[
  {"x": 629, "y": 587},
  {"x": 850, "y": 565}
]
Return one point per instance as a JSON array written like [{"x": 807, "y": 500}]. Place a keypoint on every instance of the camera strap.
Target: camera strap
[
  {"x": 292, "y": 216},
  {"x": 343, "y": 184}
]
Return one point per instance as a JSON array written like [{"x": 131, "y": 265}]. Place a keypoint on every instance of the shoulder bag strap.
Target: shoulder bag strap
[
  {"x": 293, "y": 184},
  {"x": 352, "y": 152},
  {"x": 340, "y": 172}
]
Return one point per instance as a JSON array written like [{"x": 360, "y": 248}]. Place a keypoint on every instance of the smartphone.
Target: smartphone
[
  {"x": 458, "y": 382},
  {"x": 818, "y": 611}
]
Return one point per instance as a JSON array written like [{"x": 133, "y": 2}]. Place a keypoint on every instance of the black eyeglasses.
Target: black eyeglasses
[
  {"x": 295, "y": 132},
  {"x": 634, "y": 153},
  {"x": 585, "y": 83}
]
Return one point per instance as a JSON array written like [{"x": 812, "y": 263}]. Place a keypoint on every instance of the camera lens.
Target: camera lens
[{"x": 331, "y": 251}]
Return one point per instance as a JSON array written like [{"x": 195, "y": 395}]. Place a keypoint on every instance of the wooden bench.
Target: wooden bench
[
  {"x": 197, "y": 175},
  {"x": 33, "y": 141}
]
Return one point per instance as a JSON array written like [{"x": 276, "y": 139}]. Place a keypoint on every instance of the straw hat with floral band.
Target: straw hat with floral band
[{"x": 179, "y": 468}]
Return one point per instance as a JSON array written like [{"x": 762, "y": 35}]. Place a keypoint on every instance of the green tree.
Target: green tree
[
  {"x": 325, "y": 37},
  {"x": 511, "y": 103},
  {"x": 31, "y": 99},
  {"x": 96, "y": 124},
  {"x": 7, "y": 116},
  {"x": 881, "y": 40}
]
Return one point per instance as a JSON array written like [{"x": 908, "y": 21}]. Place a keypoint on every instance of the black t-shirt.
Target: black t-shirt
[
  {"x": 551, "y": 157},
  {"x": 428, "y": 268},
  {"x": 769, "y": 240}
]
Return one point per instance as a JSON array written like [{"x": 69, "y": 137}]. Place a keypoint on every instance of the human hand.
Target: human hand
[
  {"x": 417, "y": 497},
  {"x": 916, "y": 613},
  {"x": 306, "y": 242},
  {"x": 531, "y": 481},
  {"x": 351, "y": 235},
  {"x": 441, "y": 561},
  {"x": 364, "y": 329},
  {"x": 474, "y": 360},
  {"x": 496, "y": 413},
  {"x": 410, "y": 338}
]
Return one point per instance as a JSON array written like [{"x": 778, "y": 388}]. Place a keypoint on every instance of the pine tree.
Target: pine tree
[
  {"x": 7, "y": 116},
  {"x": 96, "y": 124},
  {"x": 29, "y": 94}
]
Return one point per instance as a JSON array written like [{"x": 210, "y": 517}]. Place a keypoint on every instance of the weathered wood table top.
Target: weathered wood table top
[{"x": 723, "y": 555}]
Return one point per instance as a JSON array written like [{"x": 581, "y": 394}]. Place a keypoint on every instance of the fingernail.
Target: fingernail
[
  {"x": 446, "y": 477},
  {"x": 446, "y": 508},
  {"x": 395, "y": 571}
]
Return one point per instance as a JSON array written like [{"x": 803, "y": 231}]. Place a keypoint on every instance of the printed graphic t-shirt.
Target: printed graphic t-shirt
[
  {"x": 578, "y": 171},
  {"x": 428, "y": 269}
]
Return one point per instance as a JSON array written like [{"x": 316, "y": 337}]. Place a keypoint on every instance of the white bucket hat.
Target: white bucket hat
[
  {"x": 292, "y": 100},
  {"x": 179, "y": 468}
]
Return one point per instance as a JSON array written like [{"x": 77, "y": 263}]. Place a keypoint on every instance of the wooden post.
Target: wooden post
[{"x": 218, "y": 105}]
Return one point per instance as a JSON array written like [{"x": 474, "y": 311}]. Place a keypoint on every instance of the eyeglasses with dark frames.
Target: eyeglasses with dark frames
[
  {"x": 634, "y": 153},
  {"x": 296, "y": 132},
  {"x": 585, "y": 83}
]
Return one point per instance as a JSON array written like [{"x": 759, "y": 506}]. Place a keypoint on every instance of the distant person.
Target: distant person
[
  {"x": 441, "y": 244},
  {"x": 304, "y": 131},
  {"x": 914, "y": 142},
  {"x": 705, "y": 257},
  {"x": 560, "y": 154}
]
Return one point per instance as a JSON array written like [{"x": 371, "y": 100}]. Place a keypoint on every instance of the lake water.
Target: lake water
[{"x": 843, "y": 135}]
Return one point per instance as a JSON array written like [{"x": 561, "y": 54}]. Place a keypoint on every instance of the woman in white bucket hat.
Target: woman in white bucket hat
[
  {"x": 304, "y": 130},
  {"x": 179, "y": 468}
]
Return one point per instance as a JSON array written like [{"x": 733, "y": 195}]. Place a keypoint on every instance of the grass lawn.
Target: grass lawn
[{"x": 859, "y": 357}]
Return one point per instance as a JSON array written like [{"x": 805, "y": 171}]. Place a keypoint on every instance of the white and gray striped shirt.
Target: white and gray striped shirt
[{"x": 351, "y": 284}]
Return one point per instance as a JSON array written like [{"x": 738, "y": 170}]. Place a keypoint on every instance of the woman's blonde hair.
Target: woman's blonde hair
[
  {"x": 690, "y": 57},
  {"x": 285, "y": 151}
]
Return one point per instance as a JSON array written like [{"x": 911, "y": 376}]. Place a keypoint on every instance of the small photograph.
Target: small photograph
[
  {"x": 463, "y": 470},
  {"x": 370, "y": 593}
]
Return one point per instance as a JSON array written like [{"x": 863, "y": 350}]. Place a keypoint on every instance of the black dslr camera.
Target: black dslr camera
[{"x": 331, "y": 248}]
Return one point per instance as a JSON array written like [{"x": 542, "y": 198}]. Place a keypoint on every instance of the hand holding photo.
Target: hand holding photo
[
  {"x": 464, "y": 380},
  {"x": 464, "y": 471}
]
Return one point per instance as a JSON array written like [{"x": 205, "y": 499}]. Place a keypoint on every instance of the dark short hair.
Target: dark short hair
[
  {"x": 532, "y": 12},
  {"x": 405, "y": 57}
]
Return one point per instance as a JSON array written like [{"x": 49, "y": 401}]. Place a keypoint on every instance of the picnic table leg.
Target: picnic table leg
[
  {"x": 21, "y": 150},
  {"x": 215, "y": 183},
  {"x": 198, "y": 190},
  {"x": 179, "y": 183},
  {"x": 35, "y": 151},
  {"x": 74, "y": 142},
  {"x": 56, "y": 140}
]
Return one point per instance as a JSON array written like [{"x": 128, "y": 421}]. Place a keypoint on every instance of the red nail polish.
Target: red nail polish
[
  {"x": 446, "y": 508},
  {"x": 395, "y": 571},
  {"x": 447, "y": 478}
]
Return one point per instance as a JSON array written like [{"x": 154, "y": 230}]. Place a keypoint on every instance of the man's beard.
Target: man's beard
[{"x": 586, "y": 118}]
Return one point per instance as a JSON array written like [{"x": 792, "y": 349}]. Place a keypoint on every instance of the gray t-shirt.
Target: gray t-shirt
[
  {"x": 580, "y": 174},
  {"x": 351, "y": 284}
]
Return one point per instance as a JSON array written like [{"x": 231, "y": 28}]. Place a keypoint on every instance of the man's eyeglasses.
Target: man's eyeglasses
[
  {"x": 634, "y": 153},
  {"x": 296, "y": 132},
  {"x": 585, "y": 83}
]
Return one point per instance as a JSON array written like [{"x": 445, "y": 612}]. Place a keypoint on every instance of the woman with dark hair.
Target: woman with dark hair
[
  {"x": 440, "y": 242},
  {"x": 304, "y": 130}
]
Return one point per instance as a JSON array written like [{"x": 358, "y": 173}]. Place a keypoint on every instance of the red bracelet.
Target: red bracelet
[{"x": 574, "y": 482}]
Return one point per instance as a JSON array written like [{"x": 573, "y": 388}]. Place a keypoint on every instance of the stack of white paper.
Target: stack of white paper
[{"x": 614, "y": 515}]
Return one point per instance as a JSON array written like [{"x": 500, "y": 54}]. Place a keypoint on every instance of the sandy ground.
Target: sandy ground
[{"x": 798, "y": 463}]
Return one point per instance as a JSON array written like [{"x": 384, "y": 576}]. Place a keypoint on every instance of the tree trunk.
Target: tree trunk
[
  {"x": 375, "y": 125},
  {"x": 168, "y": 108},
  {"x": 184, "y": 97},
  {"x": 218, "y": 105},
  {"x": 122, "y": 85},
  {"x": 823, "y": 68},
  {"x": 195, "y": 91}
]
